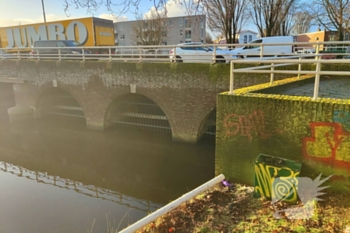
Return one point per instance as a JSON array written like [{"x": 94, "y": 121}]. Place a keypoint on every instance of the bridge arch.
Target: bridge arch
[
  {"x": 205, "y": 124},
  {"x": 139, "y": 110},
  {"x": 60, "y": 102}
]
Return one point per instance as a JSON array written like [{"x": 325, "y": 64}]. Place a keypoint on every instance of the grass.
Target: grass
[{"x": 223, "y": 210}]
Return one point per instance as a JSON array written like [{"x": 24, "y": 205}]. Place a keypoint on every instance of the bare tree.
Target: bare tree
[
  {"x": 150, "y": 29},
  {"x": 226, "y": 17},
  {"x": 302, "y": 22},
  {"x": 116, "y": 6},
  {"x": 208, "y": 38},
  {"x": 272, "y": 17},
  {"x": 332, "y": 15}
]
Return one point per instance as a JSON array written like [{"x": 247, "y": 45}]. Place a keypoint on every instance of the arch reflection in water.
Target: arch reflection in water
[{"x": 145, "y": 168}]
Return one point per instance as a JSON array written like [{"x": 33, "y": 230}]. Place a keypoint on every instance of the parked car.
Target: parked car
[
  {"x": 199, "y": 52},
  {"x": 53, "y": 47},
  {"x": 280, "y": 45}
]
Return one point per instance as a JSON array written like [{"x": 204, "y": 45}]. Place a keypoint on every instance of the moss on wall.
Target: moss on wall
[{"x": 316, "y": 133}]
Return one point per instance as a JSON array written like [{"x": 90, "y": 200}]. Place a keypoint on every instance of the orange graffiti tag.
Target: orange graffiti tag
[
  {"x": 328, "y": 143},
  {"x": 249, "y": 126}
]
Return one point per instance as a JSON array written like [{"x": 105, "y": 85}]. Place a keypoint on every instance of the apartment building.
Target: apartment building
[{"x": 161, "y": 31}]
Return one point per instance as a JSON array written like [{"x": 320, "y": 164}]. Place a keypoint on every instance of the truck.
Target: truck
[
  {"x": 89, "y": 31},
  {"x": 280, "y": 46}
]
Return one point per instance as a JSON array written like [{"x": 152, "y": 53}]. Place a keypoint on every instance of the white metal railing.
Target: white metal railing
[
  {"x": 285, "y": 61},
  {"x": 177, "y": 53}
]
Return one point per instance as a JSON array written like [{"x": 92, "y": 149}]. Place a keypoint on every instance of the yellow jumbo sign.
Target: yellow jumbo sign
[{"x": 80, "y": 30}]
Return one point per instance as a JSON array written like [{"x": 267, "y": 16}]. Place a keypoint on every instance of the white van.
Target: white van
[{"x": 268, "y": 51}]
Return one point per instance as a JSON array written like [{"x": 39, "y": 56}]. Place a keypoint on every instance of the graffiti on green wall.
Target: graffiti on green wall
[
  {"x": 249, "y": 126},
  {"x": 328, "y": 143},
  {"x": 268, "y": 170}
]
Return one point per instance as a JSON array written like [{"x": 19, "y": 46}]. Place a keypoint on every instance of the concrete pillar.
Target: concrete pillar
[
  {"x": 20, "y": 113},
  {"x": 184, "y": 136}
]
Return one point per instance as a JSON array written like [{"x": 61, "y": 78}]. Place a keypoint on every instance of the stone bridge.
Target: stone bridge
[{"x": 177, "y": 97}]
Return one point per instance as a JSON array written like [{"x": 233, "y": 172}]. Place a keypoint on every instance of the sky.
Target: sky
[{"x": 20, "y": 12}]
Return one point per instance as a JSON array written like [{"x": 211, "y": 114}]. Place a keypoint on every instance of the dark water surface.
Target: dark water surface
[{"x": 57, "y": 176}]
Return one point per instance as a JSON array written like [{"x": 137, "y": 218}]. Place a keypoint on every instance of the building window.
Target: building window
[
  {"x": 181, "y": 23},
  {"x": 122, "y": 36},
  {"x": 181, "y": 32},
  {"x": 202, "y": 32},
  {"x": 250, "y": 38},
  {"x": 187, "y": 23},
  {"x": 347, "y": 36},
  {"x": 202, "y": 22},
  {"x": 165, "y": 43},
  {"x": 180, "y": 41},
  {"x": 245, "y": 39},
  {"x": 188, "y": 34}
]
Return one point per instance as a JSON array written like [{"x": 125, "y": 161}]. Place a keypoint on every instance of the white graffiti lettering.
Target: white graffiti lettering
[{"x": 25, "y": 36}]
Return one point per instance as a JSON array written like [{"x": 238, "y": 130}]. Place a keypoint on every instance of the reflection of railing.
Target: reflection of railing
[{"x": 88, "y": 190}]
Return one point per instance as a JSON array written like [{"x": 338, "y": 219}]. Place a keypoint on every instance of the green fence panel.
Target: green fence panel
[{"x": 267, "y": 169}]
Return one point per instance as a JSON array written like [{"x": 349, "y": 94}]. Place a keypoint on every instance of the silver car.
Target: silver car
[{"x": 198, "y": 52}]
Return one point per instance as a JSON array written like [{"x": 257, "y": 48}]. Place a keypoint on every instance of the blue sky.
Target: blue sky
[{"x": 15, "y": 12}]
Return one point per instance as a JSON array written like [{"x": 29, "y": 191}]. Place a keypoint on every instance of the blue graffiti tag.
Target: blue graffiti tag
[{"x": 343, "y": 118}]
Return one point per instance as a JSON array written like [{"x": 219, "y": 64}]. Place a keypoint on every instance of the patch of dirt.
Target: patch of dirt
[{"x": 221, "y": 210}]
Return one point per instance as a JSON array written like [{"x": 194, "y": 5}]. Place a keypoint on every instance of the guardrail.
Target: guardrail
[
  {"x": 206, "y": 53},
  {"x": 285, "y": 61}
]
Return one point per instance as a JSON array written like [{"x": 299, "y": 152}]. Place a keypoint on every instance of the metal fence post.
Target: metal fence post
[
  {"x": 317, "y": 79},
  {"x": 231, "y": 78},
  {"x": 214, "y": 54},
  {"x": 272, "y": 75},
  {"x": 19, "y": 54},
  {"x": 174, "y": 53},
  {"x": 83, "y": 52},
  {"x": 140, "y": 53},
  {"x": 59, "y": 54},
  {"x": 110, "y": 53},
  {"x": 317, "y": 50},
  {"x": 299, "y": 67},
  {"x": 261, "y": 50}
]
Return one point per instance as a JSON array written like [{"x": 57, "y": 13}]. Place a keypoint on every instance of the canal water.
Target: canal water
[{"x": 58, "y": 176}]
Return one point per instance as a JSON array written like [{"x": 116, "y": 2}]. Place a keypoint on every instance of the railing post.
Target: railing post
[
  {"x": 140, "y": 54},
  {"x": 317, "y": 51},
  {"x": 110, "y": 53},
  {"x": 299, "y": 67},
  {"x": 59, "y": 54},
  {"x": 231, "y": 78},
  {"x": 261, "y": 50},
  {"x": 214, "y": 54},
  {"x": 317, "y": 79},
  {"x": 174, "y": 53},
  {"x": 18, "y": 54},
  {"x": 83, "y": 52},
  {"x": 272, "y": 75}
]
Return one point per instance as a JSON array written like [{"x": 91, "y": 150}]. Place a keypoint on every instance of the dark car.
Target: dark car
[{"x": 55, "y": 47}]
